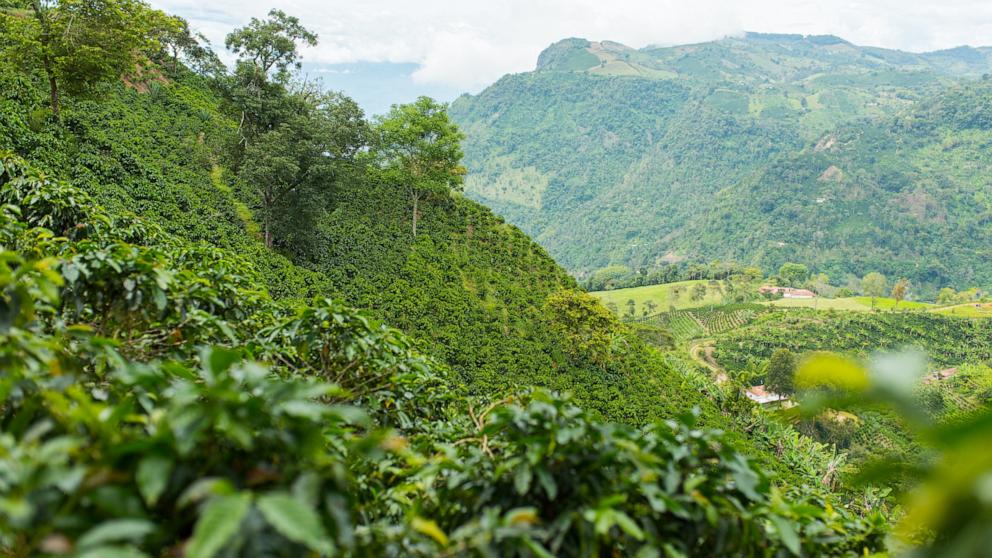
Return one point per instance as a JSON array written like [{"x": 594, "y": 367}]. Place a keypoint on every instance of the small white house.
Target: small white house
[{"x": 762, "y": 397}]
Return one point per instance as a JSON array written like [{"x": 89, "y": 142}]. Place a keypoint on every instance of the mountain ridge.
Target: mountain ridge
[
  {"x": 608, "y": 162},
  {"x": 550, "y": 57}
]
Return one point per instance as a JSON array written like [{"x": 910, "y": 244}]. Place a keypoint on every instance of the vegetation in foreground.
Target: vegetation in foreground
[{"x": 157, "y": 402}]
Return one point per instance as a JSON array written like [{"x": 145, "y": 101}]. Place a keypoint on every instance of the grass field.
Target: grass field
[
  {"x": 662, "y": 295},
  {"x": 855, "y": 303},
  {"x": 969, "y": 310}
]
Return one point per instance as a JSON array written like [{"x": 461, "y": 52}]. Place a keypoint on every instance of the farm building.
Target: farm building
[
  {"x": 759, "y": 395},
  {"x": 762, "y": 397},
  {"x": 786, "y": 292}
]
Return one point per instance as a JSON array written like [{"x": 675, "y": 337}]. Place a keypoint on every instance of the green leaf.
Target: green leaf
[
  {"x": 628, "y": 525},
  {"x": 152, "y": 477},
  {"x": 113, "y": 552},
  {"x": 429, "y": 527},
  {"x": 787, "y": 532},
  {"x": 204, "y": 488},
  {"x": 116, "y": 530},
  {"x": 160, "y": 299},
  {"x": 295, "y": 521},
  {"x": 536, "y": 548},
  {"x": 218, "y": 523},
  {"x": 522, "y": 478}
]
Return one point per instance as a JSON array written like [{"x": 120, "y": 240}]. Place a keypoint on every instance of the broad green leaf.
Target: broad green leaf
[
  {"x": 295, "y": 521},
  {"x": 628, "y": 525},
  {"x": 218, "y": 523},
  {"x": 112, "y": 552},
  {"x": 116, "y": 530},
  {"x": 787, "y": 532},
  {"x": 153, "y": 476},
  {"x": 429, "y": 527},
  {"x": 204, "y": 488},
  {"x": 522, "y": 478}
]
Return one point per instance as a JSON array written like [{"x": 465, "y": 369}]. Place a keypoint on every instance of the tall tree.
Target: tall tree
[
  {"x": 78, "y": 43},
  {"x": 269, "y": 47},
  {"x": 290, "y": 169},
  {"x": 794, "y": 274},
  {"x": 781, "y": 372},
  {"x": 899, "y": 291},
  {"x": 419, "y": 148},
  {"x": 182, "y": 44},
  {"x": 874, "y": 285}
]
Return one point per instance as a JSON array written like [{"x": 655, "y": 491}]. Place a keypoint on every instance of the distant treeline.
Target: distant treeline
[{"x": 623, "y": 277}]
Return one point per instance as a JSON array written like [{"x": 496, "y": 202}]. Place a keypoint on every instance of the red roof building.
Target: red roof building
[
  {"x": 759, "y": 395},
  {"x": 786, "y": 292}
]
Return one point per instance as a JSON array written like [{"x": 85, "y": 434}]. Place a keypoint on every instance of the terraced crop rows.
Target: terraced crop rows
[{"x": 698, "y": 322}]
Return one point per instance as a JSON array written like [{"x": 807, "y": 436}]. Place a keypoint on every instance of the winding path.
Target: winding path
[{"x": 701, "y": 351}]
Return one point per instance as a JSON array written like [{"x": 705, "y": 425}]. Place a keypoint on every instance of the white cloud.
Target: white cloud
[{"x": 470, "y": 43}]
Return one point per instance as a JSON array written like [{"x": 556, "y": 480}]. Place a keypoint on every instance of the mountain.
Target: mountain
[
  {"x": 607, "y": 154},
  {"x": 906, "y": 195}
]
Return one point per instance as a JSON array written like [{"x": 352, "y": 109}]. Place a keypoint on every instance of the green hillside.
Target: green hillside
[
  {"x": 610, "y": 155},
  {"x": 652, "y": 299}
]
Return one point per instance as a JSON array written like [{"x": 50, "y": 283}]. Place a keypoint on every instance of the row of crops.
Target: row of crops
[
  {"x": 701, "y": 322},
  {"x": 947, "y": 341}
]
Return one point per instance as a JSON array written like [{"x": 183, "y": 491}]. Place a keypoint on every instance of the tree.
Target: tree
[
  {"x": 698, "y": 292},
  {"x": 418, "y": 147},
  {"x": 874, "y": 285},
  {"x": 587, "y": 328},
  {"x": 268, "y": 52},
  {"x": 899, "y": 291},
  {"x": 180, "y": 44},
  {"x": 793, "y": 274},
  {"x": 649, "y": 307},
  {"x": 269, "y": 46},
  {"x": 631, "y": 307},
  {"x": 753, "y": 273},
  {"x": 675, "y": 293},
  {"x": 781, "y": 372},
  {"x": 947, "y": 295},
  {"x": 289, "y": 169},
  {"x": 78, "y": 43}
]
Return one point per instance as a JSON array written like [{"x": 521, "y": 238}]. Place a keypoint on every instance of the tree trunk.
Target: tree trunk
[
  {"x": 53, "y": 88},
  {"x": 46, "y": 57},
  {"x": 416, "y": 199}
]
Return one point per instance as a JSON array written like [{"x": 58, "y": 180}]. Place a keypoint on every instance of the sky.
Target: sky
[{"x": 389, "y": 51}]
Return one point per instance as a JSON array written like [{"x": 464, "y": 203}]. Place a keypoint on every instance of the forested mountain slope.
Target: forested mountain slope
[
  {"x": 907, "y": 195},
  {"x": 605, "y": 153}
]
